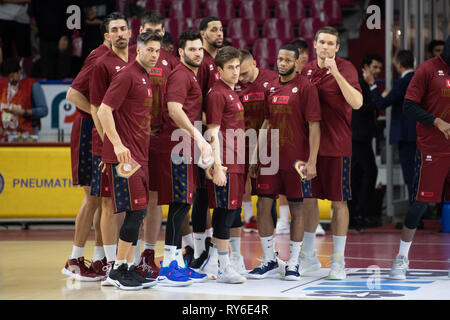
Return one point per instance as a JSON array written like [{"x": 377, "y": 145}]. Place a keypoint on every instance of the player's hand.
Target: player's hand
[
  {"x": 444, "y": 127},
  {"x": 330, "y": 64},
  {"x": 310, "y": 170},
  {"x": 253, "y": 171},
  {"x": 123, "y": 154},
  {"x": 205, "y": 149},
  {"x": 102, "y": 165},
  {"x": 219, "y": 177}
]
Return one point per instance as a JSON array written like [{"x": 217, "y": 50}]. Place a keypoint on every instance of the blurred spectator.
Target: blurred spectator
[
  {"x": 364, "y": 168},
  {"x": 15, "y": 28},
  {"x": 167, "y": 42},
  {"x": 22, "y": 103},
  {"x": 435, "y": 48},
  {"x": 303, "y": 50},
  {"x": 54, "y": 38}
]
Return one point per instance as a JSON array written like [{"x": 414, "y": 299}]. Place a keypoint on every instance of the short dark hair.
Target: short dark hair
[
  {"x": 300, "y": 44},
  {"x": 370, "y": 57},
  {"x": 145, "y": 37},
  {"x": 153, "y": 17},
  {"x": 329, "y": 30},
  {"x": 205, "y": 21},
  {"x": 188, "y": 35},
  {"x": 226, "y": 54},
  {"x": 113, "y": 16},
  {"x": 168, "y": 39},
  {"x": 435, "y": 43},
  {"x": 11, "y": 65},
  {"x": 405, "y": 58},
  {"x": 290, "y": 47},
  {"x": 245, "y": 54}
]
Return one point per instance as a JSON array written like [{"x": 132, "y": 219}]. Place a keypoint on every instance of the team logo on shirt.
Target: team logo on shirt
[
  {"x": 139, "y": 200},
  {"x": 156, "y": 72},
  {"x": 280, "y": 99},
  {"x": 294, "y": 90},
  {"x": 240, "y": 106},
  {"x": 237, "y": 88},
  {"x": 231, "y": 97},
  {"x": 440, "y": 73},
  {"x": 164, "y": 62},
  {"x": 309, "y": 72},
  {"x": 257, "y": 96},
  {"x": 265, "y": 84},
  {"x": 211, "y": 67},
  {"x": 149, "y": 92},
  {"x": 143, "y": 81},
  {"x": 448, "y": 83},
  {"x": 118, "y": 68},
  {"x": 217, "y": 76}
]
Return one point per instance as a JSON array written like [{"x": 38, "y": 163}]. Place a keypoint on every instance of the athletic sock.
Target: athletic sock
[
  {"x": 294, "y": 251},
  {"x": 284, "y": 212},
  {"x": 268, "y": 248},
  {"x": 235, "y": 245},
  {"x": 308, "y": 247},
  {"x": 110, "y": 252},
  {"x": 188, "y": 240},
  {"x": 77, "y": 252},
  {"x": 99, "y": 253},
  {"x": 404, "y": 248},
  {"x": 169, "y": 255},
  {"x": 224, "y": 260},
  {"x": 339, "y": 244},
  {"x": 149, "y": 246},
  {"x": 248, "y": 210},
  {"x": 199, "y": 244}
]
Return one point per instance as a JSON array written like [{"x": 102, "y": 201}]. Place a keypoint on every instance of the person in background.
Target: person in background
[{"x": 435, "y": 48}]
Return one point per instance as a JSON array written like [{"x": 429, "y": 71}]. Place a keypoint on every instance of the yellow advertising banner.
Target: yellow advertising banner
[{"x": 36, "y": 182}]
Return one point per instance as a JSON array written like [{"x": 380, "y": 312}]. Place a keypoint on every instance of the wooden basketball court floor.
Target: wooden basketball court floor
[{"x": 31, "y": 263}]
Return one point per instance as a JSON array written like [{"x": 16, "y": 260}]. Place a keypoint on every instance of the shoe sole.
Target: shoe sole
[
  {"x": 164, "y": 281},
  {"x": 118, "y": 285},
  {"x": 292, "y": 278},
  {"x": 79, "y": 277},
  {"x": 263, "y": 276},
  {"x": 314, "y": 268},
  {"x": 400, "y": 277},
  {"x": 149, "y": 284},
  {"x": 231, "y": 282},
  {"x": 107, "y": 282},
  {"x": 331, "y": 277}
]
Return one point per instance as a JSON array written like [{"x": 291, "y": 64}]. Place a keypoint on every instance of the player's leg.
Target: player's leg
[
  {"x": 247, "y": 205},
  {"x": 187, "y": 239},
  {"x": 282, "y": 226},
  {"x": 292, "y": 271}
]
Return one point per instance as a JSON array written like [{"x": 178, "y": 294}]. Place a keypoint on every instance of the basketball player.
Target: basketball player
[
  {"x": 293, "y": 108},
  {"x": 125, "y": 115},
  {"x": 339, "y": 93}
]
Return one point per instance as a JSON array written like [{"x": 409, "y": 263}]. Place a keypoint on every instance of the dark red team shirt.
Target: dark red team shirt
[
  {"x": 336, "y": 131},
  {"x": 430, "y": 87},
  {"x": 105, "y": 69},
  {"x": 182, "y": 86},
  {"x": 252, "y": 97},
  {"x": 208, "y": 73},
  {"x": 81, "y": 82},
  {"x": 224, "y": 108},
  {"x": 289, "y": 108},
  {"x": 130, "y": 94}
]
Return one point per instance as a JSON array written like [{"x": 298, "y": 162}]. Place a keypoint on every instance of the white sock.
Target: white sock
[
  {"x": 137, "y": 253},
  {"x": 179, "y": 258},
  {"x": 77, "y": 252},
  {"x": 308, "y": 247},
  {"x": 199, "y": 244},
  {"x": 212, "y": 253},
  {"x": 99, "y": 253},
  {"x": 235, "y": 245},
  {"x": 268, "y": 248},
  {"x": 188, "y": 240},
  {"x": 118, "y": 263},
  {"x": 404, "y": 248},
  {"x": 284, "y": 212},
  {"x": 149, "y": 246},
  {"x": 209, "y": 233},
  {"x": 169, "y": 255},
  {"x": 294, "y": 251},
  {"x": 110, "y": 252},
  {"x": 248, "y": 210},
  {"x": 339, "y": 244},
  {"x": 130, "y": 264},
  {"x": 224, "y": 260}
]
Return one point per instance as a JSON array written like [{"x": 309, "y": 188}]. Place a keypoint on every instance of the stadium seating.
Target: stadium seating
[
  {"x": 267, "y": 49},
  {"x": 182, "y": 9},
  {"x": 308, "y": 27},
  {"x": 258, "y": 10},
  {"x": 328, "y": 11},
  {"x": 290, "y": 9},
  {"x": 175, "y": 27},
  {"x": 278, "y": 29},
  {"x": 225, "y": 10},
  {"x": 246, "y": 29}
]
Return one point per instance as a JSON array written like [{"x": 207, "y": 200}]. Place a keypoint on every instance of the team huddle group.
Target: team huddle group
[{"x": 134, "y": 144}]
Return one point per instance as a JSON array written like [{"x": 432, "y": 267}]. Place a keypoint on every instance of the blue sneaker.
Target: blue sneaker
[
  {"x": 265, "y": 268},
  {"x": 292, "y": 273},
  {"x": 193, "y": 275},
  {"x": 173, "y": 276}
]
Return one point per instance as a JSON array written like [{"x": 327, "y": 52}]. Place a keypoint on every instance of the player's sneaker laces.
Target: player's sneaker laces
[
  {"x": 229, "y": 275},
  {"x": 399, "y": 268},
  {"x": 292, "y": 272},
  {"x": 337, "y": 271},
  {"x": 308, "y": 263},
  {"x": 77, "y": 269},
  {"x": 237, "y": 262},
  {"x": 146, "y": 281},
  {"x": 251, "y": 225},
  {"x": 123, "y": 279},
  {"x": 172, "y": 276},
  {"x": 283, "y": 227},
  {"x": 264, "y": 269}
]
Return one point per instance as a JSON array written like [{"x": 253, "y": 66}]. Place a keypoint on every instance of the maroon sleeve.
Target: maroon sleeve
[
  {"x": 99, "y": 83},
  {"x": 177, "y": 87},
  {"x": 118, "y": 90},
  {"x": 215, "y": 104},
  {"x": 310, "y": 97},
  {"x": 81, "y": 82},
  {"x": 351, "y": 75},
  {"x": 417, "y": 88}
]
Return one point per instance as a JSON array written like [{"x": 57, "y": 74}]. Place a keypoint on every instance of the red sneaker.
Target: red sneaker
[
  {"x": 100, "y": 267},
  {"x": 251, "y": 226},
  {"x": 77, "y": 269},
  {"x": 147, "y": 264}
]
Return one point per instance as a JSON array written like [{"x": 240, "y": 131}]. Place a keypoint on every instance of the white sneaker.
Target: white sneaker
[
  {"x": 229, "y": 275},
  {"x": 237, "y": 262},
  {"x": 399, "y": 268},
  {"x": 210, "y": 267},
  {"x": 283, "y": 227},
  {"x": 308, "y": 263},
  {"x": 320, "y": 231},
  {"x": 337, "y": 271}
]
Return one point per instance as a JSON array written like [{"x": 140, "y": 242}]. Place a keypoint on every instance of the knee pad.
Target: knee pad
[
  {"x": 415, "y": 212},
  {"x": 222, "y": 221},
  {"x": 129, "y": 232},
  {"x": 237, "y": 221}
]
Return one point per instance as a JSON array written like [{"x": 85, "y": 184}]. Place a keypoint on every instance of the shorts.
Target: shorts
[
  {"x": 334, "y": 176},
  {"x": 81, "y": 151},
  {"x": 228, "y": 197},
  {"x": 178, "y": 181},
  {"x": 99, "y": 185},
  {"x": 128, "y": 194},
  {"x": 431, "y": 178}
]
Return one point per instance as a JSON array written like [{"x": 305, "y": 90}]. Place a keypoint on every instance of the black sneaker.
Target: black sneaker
[
  {"x": 188, "y": 254},
  {"x": 123, "y": 280},
  {"x": 197, "y": 263},
  {"x": 146, "y": 282}
]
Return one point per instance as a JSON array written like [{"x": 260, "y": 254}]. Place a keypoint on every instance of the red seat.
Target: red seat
[
  {"x": 278, "y": 29},
  {"x": 182, "y": 9},
  {"x": 158, "y": 5},
  {"x": 239, "y": 28},
  {"x": 238, "y": 43},
  {"x": 135, "y": 24},
  {"x": 263, "y": 63},
  {"x": 328, "y": 11},
  {"x": 175, "y": 27},
  {"x": 308, "y": 27},
  {"x": 264, "y": 48},
  {"x": 290, "y": 9},
  {"x": 257, "y": 10},
  {"x": 225, "y": 10}
]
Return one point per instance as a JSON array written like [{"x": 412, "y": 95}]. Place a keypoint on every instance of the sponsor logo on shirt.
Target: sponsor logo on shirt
[
  {"x": 429, "y": 158},
  {"x": 280, "y": 99},
  {"x": 240, "y": 107},
  {"x": 237, "y": 88},
  {"x": 234, "y": 202},
  {"x": 427, "y": 194},
  {"x": 309, "y": 72},
  {"x": 118, "y": 68},
  {"x": 211, "y": 67},
  {"x": 448, "y": 83},
  {"x": 263, "y": 186},
  {"x": 139, "y": 200},
  {"x": 257, "y": 96},
  {"x": 440, "y": 73},
  {"x": 217, "y": 76},
  {"x": 149, "y": 92},
  {"x": 231, "y": 97},
  {"x": 156, "y": 72}
]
